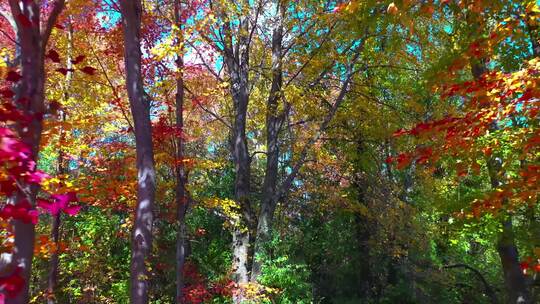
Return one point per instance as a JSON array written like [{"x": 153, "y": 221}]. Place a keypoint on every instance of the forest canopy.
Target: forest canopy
[{"x": 269, "y": 151}]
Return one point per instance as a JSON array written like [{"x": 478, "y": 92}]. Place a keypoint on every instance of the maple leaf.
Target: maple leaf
[
  {"x": 7, "y": 93},
  {"x": 72, "y": 210},
  {"x": 5, "y": 132},
  {"x": 11, "y": 148},
  {"x": 36, "y": 177},
  {"x": 78, "y": 59},
  {"x": 54, "y": 106},
  {"x": 54, "y": 56},
  {"x": 64, "y": 71},
  {"x": 49, "y": 206},
  {"x": 12, "y": 284},
  {"x": 22, "y": 211},
  {"x": 403, "y": 160},
  {"x": 7, "y": 187},
  {"x": 89, "y": 70},
  {"x": 400, "y": 132},
  {"x": 13, "y": 76},
  {"x": 60, "y": 203}
]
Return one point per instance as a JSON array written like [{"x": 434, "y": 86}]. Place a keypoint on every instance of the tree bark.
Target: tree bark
[
  {"x": 57, "y": 219},
  {"x": 237, "y": 63},
  {"x": 141, "y": 238},
  {"x": 514, "y": 279},
  {"x": 273, "y": 125},
  {"x": 182, "y": 200},
  {"x": 30, "y": 98}
]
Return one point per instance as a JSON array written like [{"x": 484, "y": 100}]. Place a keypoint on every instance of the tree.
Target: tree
[
  {"x": 494, "y": 104},
  {"x": 32, "y": 35},
  {"x": 141, "y": 239}
]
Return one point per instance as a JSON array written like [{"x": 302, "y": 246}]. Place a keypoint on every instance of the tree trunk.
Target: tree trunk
[
  {"x": 30, "y": 98},
  {"x": 237, "y": 63},
  {"x": 56, "y": 219},
  {"x": 273, "y": 123},
  {"x": 182, "y": 200},
  {"x": 141, "y": 238},
  {"x": 53, "y": 263},
  {"x": 514, "y": 279}
]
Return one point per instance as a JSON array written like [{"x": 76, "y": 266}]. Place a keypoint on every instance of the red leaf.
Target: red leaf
[
  {"x": 66, "y": 198},
  {"x": 64, "y": 71},
  {"x": 88, "y": 70},
  {"x": 13, "y": 149},
  {"x": 22, "y": 212},
  {"x": 403, "y": 160},
  {"x": 7, "y": 187},
  {"x": 60, "y": 203},
  {"x": 12, "y": 284},
  {"x": 400, "y": 132},
  {"x": 13, "y": 76},
  {"x": 7, "y": 93},
  {"x": 54, "y": 56},
  {"x": 36, "y": 177},
  {"x": 59, "y": 26},
  {"x": 5, "y": 132},
  {"x": 79, "y": 59},
  {"x": 462, "y": 173},
  {"x": 72, "y": 210},
  {"x": 48, "y": 206},
  {"x": 54, "y": 106}
]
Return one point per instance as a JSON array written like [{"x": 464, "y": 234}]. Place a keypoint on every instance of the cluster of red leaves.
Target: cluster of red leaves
[
  {"x": 16, "y": 165},
  {"x": 111, "y": 181},
  {"x": 163, "y": 130},
  {"x": 11, "y": 285},
  {"x": 198, "y": 290},
  {"x": 529, "y": 265},
  {"x": 60, "y": 202},
  {"x": 492, "y": 103},
  {"x": 18, "y": 168},
  {"x": 55, "y": 57}
]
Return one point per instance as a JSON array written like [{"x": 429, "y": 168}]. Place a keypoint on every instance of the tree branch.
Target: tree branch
[
  {"x": 287, "y": 183},
  {"x": 46, "y": 33},
  {"x": 488, "y": 289}
]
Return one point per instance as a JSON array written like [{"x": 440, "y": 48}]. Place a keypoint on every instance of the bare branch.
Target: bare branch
[
  {"x": 287, "y": 183},
  {"x": 219, "y": 118},
  {"x": 488, "y": 289},
  {"x": 51, "y": 21}
]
